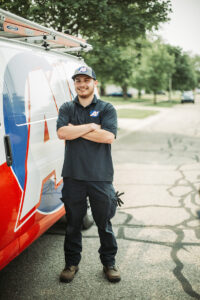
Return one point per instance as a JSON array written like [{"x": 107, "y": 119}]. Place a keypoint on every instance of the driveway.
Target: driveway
[{"x": 157, "y": 165}]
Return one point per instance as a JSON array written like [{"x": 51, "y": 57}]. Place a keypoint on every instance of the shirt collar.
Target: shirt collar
[{"x": 94, "y": 101}]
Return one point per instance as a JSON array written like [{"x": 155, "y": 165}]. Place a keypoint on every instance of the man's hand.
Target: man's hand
[
  {"x": 119, "y": 201},
  {"x": 93, "y": 126},
  {"x": 100, "y": 136}
]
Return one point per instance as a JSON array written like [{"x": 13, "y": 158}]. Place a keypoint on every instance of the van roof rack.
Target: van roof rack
[{"x": 15, "y": 27}]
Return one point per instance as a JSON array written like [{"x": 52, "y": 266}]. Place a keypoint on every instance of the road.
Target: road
[{"x": 157, "y": 165}]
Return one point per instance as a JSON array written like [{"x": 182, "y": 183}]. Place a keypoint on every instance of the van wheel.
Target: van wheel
[{"x": 88, "y": 221}]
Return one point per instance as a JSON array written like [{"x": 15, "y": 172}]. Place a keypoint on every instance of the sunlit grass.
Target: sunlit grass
[
  {"x": 147, "y": 100},
  {"x": 162, "y": 103},
  {"x": 135, "y": 113}
]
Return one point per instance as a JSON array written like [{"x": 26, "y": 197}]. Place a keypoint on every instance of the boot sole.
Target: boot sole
[
  {"x": 68, "y": 280},
  {"x": 113, "y": 280}
]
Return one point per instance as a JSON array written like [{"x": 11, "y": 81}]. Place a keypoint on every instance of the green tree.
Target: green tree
[
  {"x": 21, "y": 8},
  {"x": 139, "y": 78},
  {"x": 124, "y": 60},
  {"x": 196, "y": 64},
  {"x": 159, "y": 68},
  {"x": 139, "y": 73},
  {"x": 102, "y": 62},
  {"x": 113, "y": 64},
  {"x": 184, "y": 76},
  {"x": 106, "y": 20},
  {"x": 109, "y": 25}
]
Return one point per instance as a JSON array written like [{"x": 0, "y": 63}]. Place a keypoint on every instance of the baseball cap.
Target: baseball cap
[{"x": 84, "y": 70}]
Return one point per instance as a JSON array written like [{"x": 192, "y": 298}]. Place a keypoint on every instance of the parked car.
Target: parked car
[
  {"x": 160, "y": 93},
  {"x": 119, "y": 94},
  {"x": 187, "y": 96}
]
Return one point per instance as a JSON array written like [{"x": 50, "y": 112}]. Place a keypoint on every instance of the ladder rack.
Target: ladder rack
[{"x": 15, "y": 27}]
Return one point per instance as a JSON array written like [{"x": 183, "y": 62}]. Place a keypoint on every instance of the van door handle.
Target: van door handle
[{"x": 8, "y": 150}]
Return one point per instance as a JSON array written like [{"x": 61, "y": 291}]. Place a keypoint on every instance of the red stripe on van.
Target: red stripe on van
[{"x": 10, "y": 197}]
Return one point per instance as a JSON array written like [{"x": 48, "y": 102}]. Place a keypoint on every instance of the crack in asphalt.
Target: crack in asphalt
[
  {"x": 184, "y": 201},
  {"x": 172, "y": 147},
  {"x": 178, "y": 244},
  {"x": 177, "y": 229}
]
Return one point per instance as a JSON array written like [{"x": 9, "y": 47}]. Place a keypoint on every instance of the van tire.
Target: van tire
[{"x": 88, "y": 221}]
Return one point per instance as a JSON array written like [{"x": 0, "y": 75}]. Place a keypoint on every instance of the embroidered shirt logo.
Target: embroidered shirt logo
[{"x": 94, "y": 113}]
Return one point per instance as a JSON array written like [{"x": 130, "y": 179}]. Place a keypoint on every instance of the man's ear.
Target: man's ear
[{"x": 96, "y": 82}]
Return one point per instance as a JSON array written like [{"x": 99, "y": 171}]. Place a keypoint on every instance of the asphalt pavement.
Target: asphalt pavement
[{"x": 157, "y": 165}]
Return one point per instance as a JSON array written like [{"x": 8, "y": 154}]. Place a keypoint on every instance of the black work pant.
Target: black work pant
[{"x": 103, "y": 205}]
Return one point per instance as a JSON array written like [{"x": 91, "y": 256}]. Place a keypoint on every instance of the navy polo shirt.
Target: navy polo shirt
[{"x": 84, "y": 159}]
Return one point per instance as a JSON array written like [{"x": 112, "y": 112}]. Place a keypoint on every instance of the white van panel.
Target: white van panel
[{"x": 38, "y": 82}]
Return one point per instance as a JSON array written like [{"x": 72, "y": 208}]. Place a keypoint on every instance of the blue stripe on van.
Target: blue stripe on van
[{"x": 18, "y": 135}]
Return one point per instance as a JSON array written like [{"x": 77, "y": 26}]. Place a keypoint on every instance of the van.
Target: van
[
  {"x": 187, "y": 96},
  {"x": 34, "y": 83}
]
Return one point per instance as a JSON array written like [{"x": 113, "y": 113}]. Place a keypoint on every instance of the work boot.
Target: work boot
[
  {"x": 67, "y": 275},
  {"x": 112, "y": 273}
]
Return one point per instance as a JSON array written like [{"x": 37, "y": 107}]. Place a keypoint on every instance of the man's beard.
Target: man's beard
[{"x": 87, "y": 95}]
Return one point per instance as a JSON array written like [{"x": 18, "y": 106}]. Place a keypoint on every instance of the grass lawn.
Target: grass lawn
[
  {"x": 135, "y": 113},
  {"x": 146, "y": 101}
]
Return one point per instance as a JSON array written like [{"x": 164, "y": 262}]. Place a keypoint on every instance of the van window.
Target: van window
[
  {"x": 29, "y": 91},
  {"x": 69, "y": 68},
  {"x": 60, "y": 85},
  {"x": 40, "y": 99}
]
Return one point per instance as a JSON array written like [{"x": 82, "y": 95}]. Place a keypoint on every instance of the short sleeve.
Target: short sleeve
[
  {"x": 63, "y": 116},
  {"x": 109, "y": 119}
]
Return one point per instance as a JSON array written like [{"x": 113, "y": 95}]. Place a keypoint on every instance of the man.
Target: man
[{"x": 89, "y": 126}]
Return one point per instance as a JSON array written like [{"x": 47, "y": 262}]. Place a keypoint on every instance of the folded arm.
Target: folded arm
[
  {"x": 71, "y": 132},
  {"x": 91, "y": 132},
  {"x": 100, "y": 136}
]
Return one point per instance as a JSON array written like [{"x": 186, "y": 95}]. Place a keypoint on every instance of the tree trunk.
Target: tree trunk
[
  {"x": 102, "y": 89},
  {"x": 124, "y": 90},
  {"x": 139, "y": 94},
  {"x": 170, "y": 89},
  {"x": 154, "y": 98}
]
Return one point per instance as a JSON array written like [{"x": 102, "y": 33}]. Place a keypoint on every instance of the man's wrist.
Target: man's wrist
[
  {"x": 90, "y": 127},
  {"x": 94, "y": 126}
]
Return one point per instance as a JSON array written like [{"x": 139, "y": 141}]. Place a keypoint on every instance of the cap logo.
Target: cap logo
[{"x": 82, "y": 69}]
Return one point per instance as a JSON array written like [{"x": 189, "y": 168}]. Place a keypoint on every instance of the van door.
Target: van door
[
  {"x": 17, "y": 128},
  {"x": 32, "y": 114}
]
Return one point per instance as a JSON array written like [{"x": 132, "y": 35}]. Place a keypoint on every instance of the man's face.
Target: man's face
[{"x": 84, "y": 85}]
